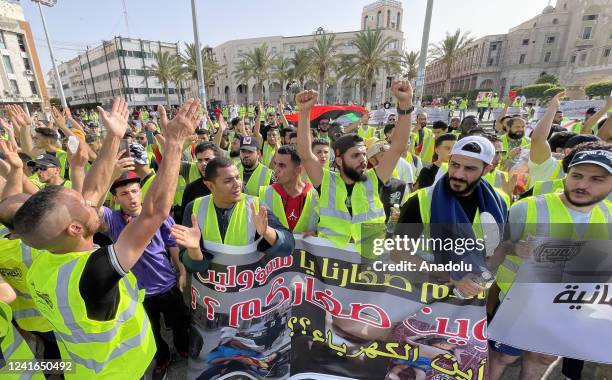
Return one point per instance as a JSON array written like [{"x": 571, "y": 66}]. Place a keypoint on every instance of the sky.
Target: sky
[{"x": 75, "y": 24}]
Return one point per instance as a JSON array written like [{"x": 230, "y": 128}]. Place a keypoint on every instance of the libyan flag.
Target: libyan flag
[{"x": 341, "y": 114}]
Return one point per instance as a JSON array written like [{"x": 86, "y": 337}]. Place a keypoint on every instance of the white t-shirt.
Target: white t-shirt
[{"x": 405, "y": 171}]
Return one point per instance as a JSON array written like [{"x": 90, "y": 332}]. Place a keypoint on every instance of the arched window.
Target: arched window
[
  {"x": 399, "y": 18},
  {"x": 365, "y": 22},
  {"x": 388, "y": 17},
  {"x": 378, "y": 16}
]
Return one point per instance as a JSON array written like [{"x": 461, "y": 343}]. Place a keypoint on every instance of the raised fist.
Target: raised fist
[
  {"x": 402, "y": 90},
  {"x": 306, "y": 99}
]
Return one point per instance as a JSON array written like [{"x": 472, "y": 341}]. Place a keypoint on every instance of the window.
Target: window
[
  {"x": 26, "y": 64},
  {"x": 606, "y": 52},
  {"x": 522, "y": 59},
  {"x": 378, "y": 17},
  {"x": 365, "y": 22},
  {"x": 490, "y": 62},
  {"x": 493, "y": 47},
  {"x": 586, "y": 32},
  {"x": 33, "y": 88},
  {"x": 582, "y": 57},
  {"x": 550, "y": 40},
  {"x": 8, "y": 66},
  {"x": 526, "y": 41},
  {"x": 273, "y": 49},
  {"x": 14, "y": 87},
  {"x": 3, "y": 44},
  {"x": 239, "y": 51},
  {"x": 573, "y": 59},
  {"x": 292, "y": 48},
  {"x": 547, "y": 56},
  {"x": 555, "y": 21},
  {"x": 589, "y": 17},
  {"x": 564, "y": 5},
  {"x": 397, "y": 24},
  {"x": 21, "y": 42},
  {"x": 388, "y": 17},
  {"x": 535, "y": 24}
]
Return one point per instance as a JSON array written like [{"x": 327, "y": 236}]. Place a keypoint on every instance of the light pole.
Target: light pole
[
  {"x": 198, "y": 51},
  {"x": 420, "y": 80},
  {"x": 60, "y": 88}
]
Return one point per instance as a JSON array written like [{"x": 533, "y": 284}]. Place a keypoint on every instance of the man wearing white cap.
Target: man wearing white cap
[{"x": 462, "y": 199}]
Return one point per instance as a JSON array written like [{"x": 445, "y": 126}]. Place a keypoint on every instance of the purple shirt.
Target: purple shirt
[{"x": 154, "y": 271}]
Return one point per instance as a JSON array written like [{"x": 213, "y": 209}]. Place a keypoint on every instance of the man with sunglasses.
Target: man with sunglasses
[
  {"x": 323, "y": 129},
  {"x": 47, "y": 167}
]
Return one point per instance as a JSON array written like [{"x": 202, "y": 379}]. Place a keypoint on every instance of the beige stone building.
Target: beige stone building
[
  {"x": 21, "y": 77},
  {"x": 571, "y": 40},
  {"x": 383, "y": 14}
]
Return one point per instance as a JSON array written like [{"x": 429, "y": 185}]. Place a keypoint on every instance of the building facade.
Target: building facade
[
  {"x": 571, "y": 40},
  {"x": 116, "y": 68},
  {"x": 21, "y": 76},
  {"x": 385, "y": 15}
]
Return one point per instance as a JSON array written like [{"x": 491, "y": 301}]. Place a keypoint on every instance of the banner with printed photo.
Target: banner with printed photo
[
  {"x": 560, "y": 302},
  {"x": 328, "y": 313}
]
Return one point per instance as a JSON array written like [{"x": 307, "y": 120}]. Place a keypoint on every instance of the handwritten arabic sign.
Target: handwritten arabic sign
[
  {"x": 572, "y": 109},
  {"x": 326, "y": 311},
  {"x": 571, "y": 306}
]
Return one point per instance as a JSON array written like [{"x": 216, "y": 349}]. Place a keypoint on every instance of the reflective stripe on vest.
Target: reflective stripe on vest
[
  {"x": 308, "y": 215},
  {"x": 268, "y": 153},
  {"x": 338, "y": 225},
  {"x": 260, "y": 177},
  {"x": 13, "y": 347},
  {"x": 240, "y": 234},
  {"x": 545, "y": 187},
  {"x": 496, "y": 178},
  {"x": 525, "y": 143}
]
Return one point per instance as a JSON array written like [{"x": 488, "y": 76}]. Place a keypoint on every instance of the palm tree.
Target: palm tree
[
  {"x": 259, "y": 62},
  {"x": 242, "y": 73},
  {"x": 372, "y": 56},
  {"x": 180, "y": 72},
  {"x": 302, "y": 64},
  {"x": 324, "y": 60},
  {"x": 210, "y": 67},
  {"x": 165, "y": 64},
  {"x": 410, "y": 64},
  {"x": 448, "y": 50},
  {"x": 282, "y": 72}
]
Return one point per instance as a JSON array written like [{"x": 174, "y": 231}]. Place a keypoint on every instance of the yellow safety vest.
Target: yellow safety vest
[
  {"x": 496, "y": 178},
  {"x": 525, "y": 143},
  {"x": 463, "y": 105},
  {"x": 240, "y": 235},
  {"x": 336, "y": 223},
  {"x": 182, "y": 182},
  {"x": 548, "y": 216},
  {"x": 427, "y": 149},
  {"x": 558, "y": 173},
  {"x": 308, "y": 217},
  {"x": 545, "y": 187},
  {"x": 15, "y": 261},
  {"x": 14, "y": 347},
  {"x": 261, "y": 177},
  {"x": 268, "y": 153},
  {"x": 121, "y": 348},
  {"x": 368, "y": 133}
]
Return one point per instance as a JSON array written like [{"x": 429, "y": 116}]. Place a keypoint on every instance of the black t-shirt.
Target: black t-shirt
[
  {"x": 427, "y": 176},
  {"x": 195, "y": 189},
  {"x": 99, "y": 284},
  {"x": 391, "y": 193},
  {"x": 246, "y": 175}
]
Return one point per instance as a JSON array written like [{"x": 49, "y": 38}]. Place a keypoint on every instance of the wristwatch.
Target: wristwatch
[{"x": 407, "y": 111}]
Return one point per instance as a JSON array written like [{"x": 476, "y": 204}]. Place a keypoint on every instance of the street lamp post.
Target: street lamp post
[
  {"x": 420, "y": 80},
  {"x": 198, "y": 51},
  {"x": 60, "y": 88}
]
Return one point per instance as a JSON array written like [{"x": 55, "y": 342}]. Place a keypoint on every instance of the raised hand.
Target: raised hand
[
  {"x": 306, "y": 99},
  {"x": 18, "y": 115},
  {"x": 11, "y": 156},
  {"x": 184, "y": 124},
  {"x": 185, "y": 236},
  {"x": 123, "y": 165},
  {"x": 556, "y": 100},
  {"x": 259, "y": 219},
  {"x": 402, "y": 90},
  {"x": 116, "y": 120},
  {"x": 58, "y": 117}
]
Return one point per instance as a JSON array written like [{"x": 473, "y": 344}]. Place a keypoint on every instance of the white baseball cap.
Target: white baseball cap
[{"x": 486, "y": 150}]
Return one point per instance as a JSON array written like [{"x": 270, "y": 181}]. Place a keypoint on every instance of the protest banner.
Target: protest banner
[
  {"x": 572, "y": 109},
  {"x": 558, "y": 303},
  {"x": 326, "y": 312}
]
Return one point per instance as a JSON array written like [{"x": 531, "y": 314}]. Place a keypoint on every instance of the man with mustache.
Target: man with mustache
[
  {"x": 515, "y": 138},
  {"x": 349, "y": 196}
]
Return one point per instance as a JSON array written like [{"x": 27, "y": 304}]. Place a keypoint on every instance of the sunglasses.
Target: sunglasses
[{"x": 39, "y": 169}]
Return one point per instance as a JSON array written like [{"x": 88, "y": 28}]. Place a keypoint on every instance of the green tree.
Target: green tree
[
  {"x": 372, "y": 56},
  {"x": 410, "y": 64},
  {"x": 536, "y": 91},
  {"x": 178, "y": 74},
  {"x": 259, "y": 63},
  {"x": 210, "y": 67},
  {"x": 324, "y": 60},
  {"x": 547, "y": 78},
  {"x": 282, "y": 72},
  {"x": 552, "y": 91},
  {"x": 599, "y": 89},
  {"x": 302, "y": 66},
  {"x": 163, "y": 70},
  {"x": 448, "y": 50}
]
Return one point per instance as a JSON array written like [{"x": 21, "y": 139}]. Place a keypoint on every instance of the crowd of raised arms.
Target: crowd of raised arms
[{"x": 105, "y": 213}]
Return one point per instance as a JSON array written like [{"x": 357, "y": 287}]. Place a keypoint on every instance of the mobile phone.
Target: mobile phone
[
  {"x": 124, "y": 145},
  {"x": 73, "y": 144}
]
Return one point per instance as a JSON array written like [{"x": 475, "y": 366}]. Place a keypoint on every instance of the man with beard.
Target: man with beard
[
  {"x": 204, "y": 153},
  {"x": 253, "y": 173},
  {"x": 514, "y": 139},
  {"x": 349, "y": 196},
  {"x": 83, "y": 291},
  {"x": 423, "y": 139},
  {"x": 323, "y": 129},
  {"x": 459, "y": 198},
  {"x": 582, "y": 204}
]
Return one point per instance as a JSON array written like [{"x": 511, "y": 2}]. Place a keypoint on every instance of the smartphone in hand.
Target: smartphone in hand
[{"x": 124, "y": 145}]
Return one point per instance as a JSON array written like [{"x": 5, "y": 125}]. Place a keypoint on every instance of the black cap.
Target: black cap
[
  {"x": 47, "y": 132},
  {"x": 249, "y": 143},
  {"x": 124, "y": 179},
  {"x": 601, "y": 158},
  {"x": 45, "y": 160},
  {"x": 579, "y": 139},
  {"x": 346, "y": 142}
]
